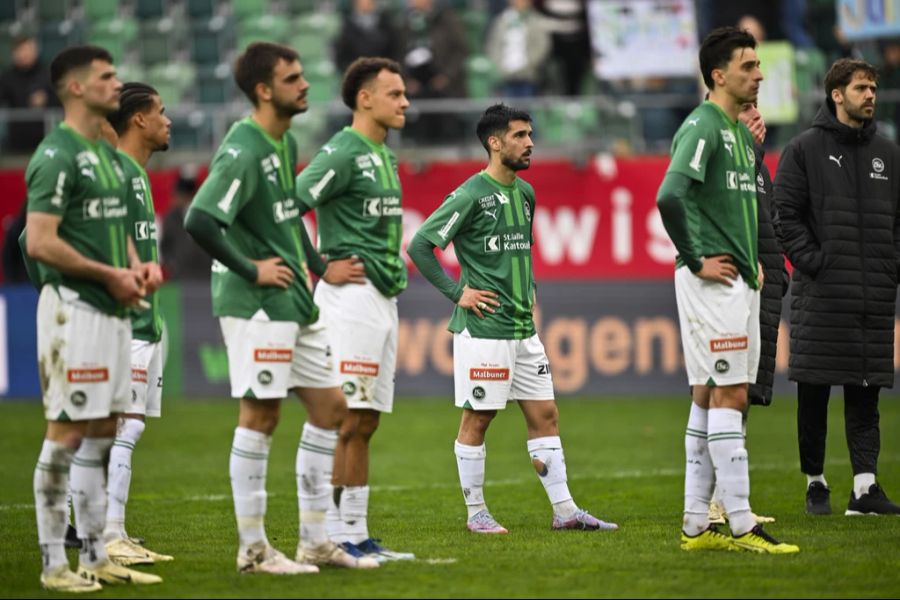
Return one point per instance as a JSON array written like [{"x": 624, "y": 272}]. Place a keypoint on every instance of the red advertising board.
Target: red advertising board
[{"x": 596, "y": 221}]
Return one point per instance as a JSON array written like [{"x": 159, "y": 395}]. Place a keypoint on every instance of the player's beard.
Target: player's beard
[
  {"x": 286, "y": 111},
  {"x": 516, "y": 165}
]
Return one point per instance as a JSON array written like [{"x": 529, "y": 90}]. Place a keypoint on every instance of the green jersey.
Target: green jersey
[
  {"x": 718, "y": 154},
  {"x": 490, "y": 226},
  {"x": 353, "y": 185},
  {"x": 145, "y": 325},
  {"x": 250, "y": 189},
  {"x": 82, "y": 182}
]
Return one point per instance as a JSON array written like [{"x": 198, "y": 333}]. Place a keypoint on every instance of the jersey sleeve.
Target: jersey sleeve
[
  {"x": 692, "y": 148},
  {"x": 230, "y": 185},
  {"x": 442, "y": 226},
  {"x": 50, "y": 178},
  {"x": 326, "y": 177}
]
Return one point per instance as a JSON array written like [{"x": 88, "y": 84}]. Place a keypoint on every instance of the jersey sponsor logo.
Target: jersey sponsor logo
[
  {"x": 316, "y": 190},
  {"x": 265, "y": 377},
  {"x": 369, "y": 173},
  {"x": 760, "y": 184},
  {"x": 234, "y": 152},
  {"x": 110, "y": 207},
  {"x": 359, "y": 367},
  {"x": 836, "y": 160},
  {"x": 728, "y": 344},
  {"x": 144, "y": 230},
  {"x": 270, "y": 166},
  {"x": 527, "y": 208},
  {"x": 478, "y": 393},
  {"x": 284, "y": 210},
  {"x": 445, "y": 230},
  {"x": 78, "y": 398},
  {"x": 87, "y": 160},
  {"x": 488, "y": 374},
  {"x": 693, "y": 122},
  {"x": 328, "y": 150},
  {"x": 722, "y": 366},
  {"x": 94, "y": 375},
  {"x": 877, "y": 169},
  {"x": 751, "y": 155},
  {"x": 225, "y": 203},
  {"x": 491, "y": 244},
  {"x": 277, "y": 355},
  {"x": 137, "y": 184},
  {"x": 731, "y": 180},
  {"x": 387, "y": 206},
  {"x": 698, "y": 154},
  {"x": 349, "y": 388},
  {"x": 138, "y": 375},
  {"x": 50, "y": 152},
  {"x": 515, "y": 241},
  {"x": 364, "y": 161}
]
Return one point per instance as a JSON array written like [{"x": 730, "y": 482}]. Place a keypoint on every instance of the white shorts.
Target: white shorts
[
  {"x": 719, "y": 329},
  {"x": 487, "y": 373},
  {"x": 146, "y": 378},
  {"x": 268, "y": 358},
  {"x": 363, "y": 325},
  {"x": 83, "y": 358}
]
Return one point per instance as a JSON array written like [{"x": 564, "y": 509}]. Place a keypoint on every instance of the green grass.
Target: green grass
[{"x": 625, "y": 462}]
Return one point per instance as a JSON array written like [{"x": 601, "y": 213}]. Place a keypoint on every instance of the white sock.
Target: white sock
[
  {"x": 729, "y": 457},
  {"x": 119, "y": 481},
  {"x": 699, "y": 476},
  {"x": 333, "y": 524},
  {"x": 470, "y": 464},
  {"x": 354, "y": 513},
  {"x": 550, "y": 463},
  {"x": 819, "y": 478},
  {"x": 315, "y": 463},
  {"x": 51, "y": 483},
  {"x": 247, "y": 467},
  {"x": 87, "y": 480},
  {"x": 862, "y": 482}
]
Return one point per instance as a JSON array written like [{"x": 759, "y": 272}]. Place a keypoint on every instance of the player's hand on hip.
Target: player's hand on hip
[
  {"x": 720, "y": 269},
  {"x": 273, "y": 272},
  {"x": 478, "y": 301},
  {"x": 126, "y": 286},
  {"x": 761, "y": 277},
  {"x": 345, "y": 270}
]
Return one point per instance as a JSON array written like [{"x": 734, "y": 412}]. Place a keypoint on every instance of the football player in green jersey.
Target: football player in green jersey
[
  {"x": 77, "y": 231},
  {"x": 247, "y": 217},
  {"x": 142, "y": 128},
  {"x": 709, "y": 208},
  {"x": 497, "y": 355},
  {"x": 352, "y": 183}
]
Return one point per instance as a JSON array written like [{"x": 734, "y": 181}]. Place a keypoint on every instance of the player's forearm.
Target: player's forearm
[
  {"x": 670, "y": 201},
  {"x": 421, "y": 251},
  {"x": 55, "y": 252},
  {"x": 134, "y": 260},
  {"x": 207, "y": 232}
]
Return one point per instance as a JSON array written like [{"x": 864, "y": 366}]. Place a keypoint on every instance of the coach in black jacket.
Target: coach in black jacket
[{"x": 836, "y": 191}]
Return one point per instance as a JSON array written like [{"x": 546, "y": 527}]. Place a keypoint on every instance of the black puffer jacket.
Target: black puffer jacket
[
  {"x": 774, "y": 288},
  {"x": 836, "y": 192}
]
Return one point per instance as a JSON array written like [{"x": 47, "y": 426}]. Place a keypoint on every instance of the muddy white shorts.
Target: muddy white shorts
[
  {"x": 268, "y": 358},
  {"x": 146, "y": 378},
  {"x": 84, "y": 358},
  {"x": 719, "y": 329},
  {"x": 363, "y": 325},
  {"x": 487, "y": 373}
]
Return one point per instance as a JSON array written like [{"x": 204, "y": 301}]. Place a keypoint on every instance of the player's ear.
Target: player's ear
[{"x": 263, "y": 91}]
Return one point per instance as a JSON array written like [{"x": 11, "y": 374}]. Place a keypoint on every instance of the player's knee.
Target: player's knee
[{"x": 368, "y": 423}]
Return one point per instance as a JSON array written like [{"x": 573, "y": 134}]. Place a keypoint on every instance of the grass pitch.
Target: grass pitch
[{"x": 625, "y": 462}]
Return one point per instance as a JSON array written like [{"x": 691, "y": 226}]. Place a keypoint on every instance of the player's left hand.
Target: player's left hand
[
  {"x": 761, "y": 277},
  {"x": 345, "y": 270},
  {"x": 478, "y": 301},
  {"x": 152, "y": 276}
]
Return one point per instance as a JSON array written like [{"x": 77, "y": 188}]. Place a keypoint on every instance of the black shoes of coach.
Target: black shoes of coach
[
  {"x": 72, "y": 540},
  {"x": 818, "y": 499},
  {"x": 875, "y": 502}
]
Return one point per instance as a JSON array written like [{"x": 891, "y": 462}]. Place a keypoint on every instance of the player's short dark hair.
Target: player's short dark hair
[
  {"x": 717, "y": 48},
  {"x": 495, "y": 121},
  {"x": 135, "y": 97},
  {"x": 257, "y": 65},
  {"x": 360, "y": 72},
  {"x": 842, "y": 71},
  {"x": 73, "y": 58}
]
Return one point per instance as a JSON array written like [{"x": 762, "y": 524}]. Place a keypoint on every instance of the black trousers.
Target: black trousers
[{"x": 861, "y": 421}]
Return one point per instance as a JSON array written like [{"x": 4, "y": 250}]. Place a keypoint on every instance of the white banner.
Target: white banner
[{"x": 643, "y": 38}]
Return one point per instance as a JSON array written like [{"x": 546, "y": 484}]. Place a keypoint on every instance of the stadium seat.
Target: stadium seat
[
  {"x": 9, "y": 10},
  {"x": 150, "y": 9},
  {"x": 52, "y": 10},
  {"x": 161, "y": 39},
  {"x": 475, "y": 23},
  {"x": 201, "y": 9},
  {"x": 323, "y": 80},
  {"x": 211, "y": 39},
  {"x": 309, "y": 130},
  {"x": 268, "y": 28},
  {"x": 243, "y": 9},
  {"x": 131, "y": 71},
  {"x": 172, "y": 80},
  {"x": 191, "y": 131},
  {"x": 56, "y": 35},
  {"x": 480, "y": 78},
  {"x": 215, "y": 84},
  {"x": 100, "y": 10},
  {"x": 116, "y": 35},
  {"x": 300, "y": 7},
  {"x": 312, "y": 35}
]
